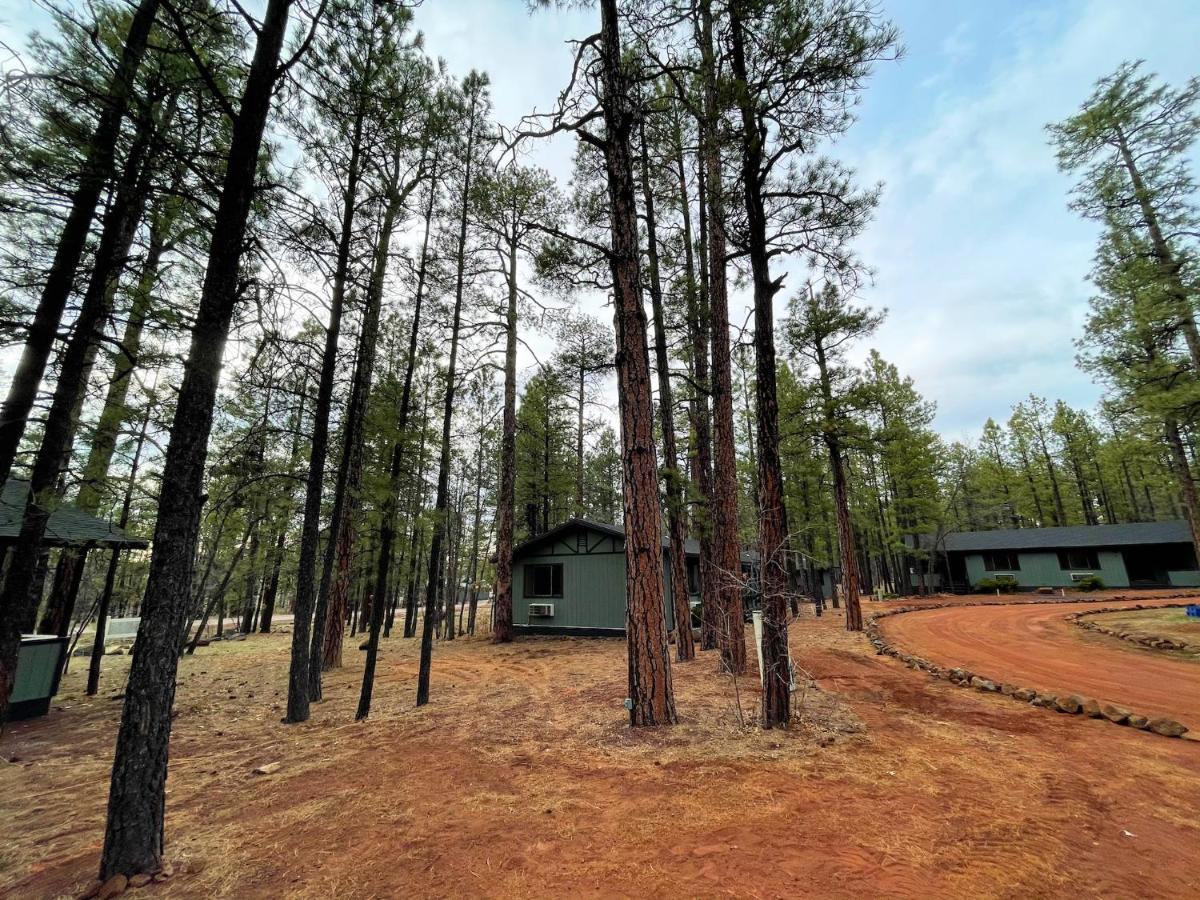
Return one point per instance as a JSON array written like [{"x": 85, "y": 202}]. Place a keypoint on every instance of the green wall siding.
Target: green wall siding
[
  {"x": 1185, "y": 579},
  {"x": 1041, "y": 569},
  {"x": 593, "y": 585}
]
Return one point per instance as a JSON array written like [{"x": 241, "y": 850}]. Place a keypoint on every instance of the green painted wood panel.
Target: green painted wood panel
[
  {"x": 593, "y": 591},
  {"x": 1041, "y": 569}
]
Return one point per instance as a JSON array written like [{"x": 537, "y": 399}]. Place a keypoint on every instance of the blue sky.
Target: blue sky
[{"x": 977, "y": 257}]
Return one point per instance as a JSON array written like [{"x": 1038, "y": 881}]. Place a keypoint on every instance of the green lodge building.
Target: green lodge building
[
  {"x": 1135, "y": 555},
  {"x": 571, "y": 580}
]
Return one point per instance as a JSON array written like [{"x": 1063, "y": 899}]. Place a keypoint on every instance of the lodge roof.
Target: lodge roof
[
  {"x": 68, "y": 524},
  {"x": 1129, "y": 534}
]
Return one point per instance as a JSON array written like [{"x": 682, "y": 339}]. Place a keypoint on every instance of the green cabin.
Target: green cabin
[
  {"x": 571, "y": 580},
  {"x": 1133, "y": 555}
]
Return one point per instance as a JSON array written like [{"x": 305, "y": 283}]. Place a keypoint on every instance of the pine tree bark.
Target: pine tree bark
[
  {"x": 776, "y": 694},
  {"x": 685, "y": 648},
  {"x": 96, "y": 171},
  {"x": 698, "y": 328},
  {"x": 727, "y": 554},
  {"x": 133, "y": 840},
  {"x": 502, "y": 629},
  {"x": 651, "y": 695}
]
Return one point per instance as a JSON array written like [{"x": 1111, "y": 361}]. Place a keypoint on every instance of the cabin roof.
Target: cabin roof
[
  {"x": 1129, "y": 534},
  {"x": 691, "y": 545},
  {"x": 68, "y": 525}
]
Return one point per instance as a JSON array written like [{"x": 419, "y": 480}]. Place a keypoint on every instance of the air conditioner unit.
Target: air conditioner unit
[
  {"x": 541, "y": 610},
  {"x": 1079, "y": 576}
]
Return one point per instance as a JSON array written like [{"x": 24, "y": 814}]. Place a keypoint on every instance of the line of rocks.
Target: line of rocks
[
  {"x": 1153, "y": 641},
  {"x": 1068, "y": 704}
]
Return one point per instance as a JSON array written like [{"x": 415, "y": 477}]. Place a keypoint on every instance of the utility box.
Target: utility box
[{"x": 39, "y": 667}]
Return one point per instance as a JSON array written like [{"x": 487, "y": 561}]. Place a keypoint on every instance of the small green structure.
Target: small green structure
[
  {"x": 1133, "y": 555},
  {"x": 40, "y": 661},
  {"x": 39, "y": 666},
  {"x": 571, "y": 580}
]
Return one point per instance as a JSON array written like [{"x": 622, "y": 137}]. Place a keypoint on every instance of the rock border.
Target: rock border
[
  {"x": 1068, "y": 704},
  {"x": 1141, "y": 639}
]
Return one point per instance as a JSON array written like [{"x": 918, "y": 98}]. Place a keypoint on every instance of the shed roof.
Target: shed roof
[
  {"x": 68, "y": 524},
  {"x": 1129, "y": 534}
]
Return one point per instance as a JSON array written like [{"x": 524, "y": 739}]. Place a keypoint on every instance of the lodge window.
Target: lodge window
[
  {"x": 1001, "y": 561},
  {"x": 1078, "y": 559},
  {"x": 693, "y": 577},
  {"x": 544, "y": 580}
]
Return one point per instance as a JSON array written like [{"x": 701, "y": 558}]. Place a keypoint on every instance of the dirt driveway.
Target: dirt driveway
[{"x": 1033, "y": 645}]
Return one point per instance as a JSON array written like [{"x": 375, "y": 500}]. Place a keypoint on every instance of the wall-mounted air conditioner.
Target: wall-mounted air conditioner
[{"x": 541, "y": 610}]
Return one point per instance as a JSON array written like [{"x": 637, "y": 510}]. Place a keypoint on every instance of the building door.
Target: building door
[{"x": 1144, "y": 567}]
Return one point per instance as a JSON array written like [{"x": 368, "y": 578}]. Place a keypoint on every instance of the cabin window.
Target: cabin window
[
  {"x": 693, "y": 577},
  {"x": 581, "y": 539},
  {"x": 1001, "y": 561},
  {"x": 544, "y": 580},
  {"x": 1078, "y": 559}
]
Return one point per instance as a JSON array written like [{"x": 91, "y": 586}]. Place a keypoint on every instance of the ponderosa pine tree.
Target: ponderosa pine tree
[
  {"x": 94, "y": 174},
  {"x": 353, "y": 58},
  {"x": 474, "y": 128},
  {"x": 516, "y": 205},
  {"x": 133, "y": 840},
  {"x": 821, "y": 324}
]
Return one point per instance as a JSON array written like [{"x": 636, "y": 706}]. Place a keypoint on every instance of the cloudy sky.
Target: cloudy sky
[{"x": 977, "y": 258}]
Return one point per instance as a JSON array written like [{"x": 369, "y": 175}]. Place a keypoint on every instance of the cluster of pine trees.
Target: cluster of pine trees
[{"x": 270, "y": 279}]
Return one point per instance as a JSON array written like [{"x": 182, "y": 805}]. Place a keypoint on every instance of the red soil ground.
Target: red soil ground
[
  {"x": 521, "y": 778},
  {"x": 1034, "y": 646}
]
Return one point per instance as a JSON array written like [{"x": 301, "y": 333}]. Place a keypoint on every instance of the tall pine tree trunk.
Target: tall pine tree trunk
[
  {"x": 698, "y": 331},
  {"x": 108, "y": 427},
  {"x": 441, "y": 510},
  {"x": 110, "y": 576},
  {"x": 651, "y": 696},
  {"x": 133, "y": 840},
  {"x": 776, "y": 695},
  {"x": 23, "y": 577},
  {"x": 387, "y": 525},
  {"x": 502, "y": 629},
  {"x": 299, "y": 675},
  {"x": 726, "y": 552},
  {"x": 685, "y": 648}
]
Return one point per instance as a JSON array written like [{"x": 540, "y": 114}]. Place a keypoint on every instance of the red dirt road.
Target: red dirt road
[{"x": 1033, "y": 645}]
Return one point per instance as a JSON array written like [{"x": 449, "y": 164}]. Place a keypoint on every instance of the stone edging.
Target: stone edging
[
  {"x": 1070, "y": 704},
  {"x": 1153, "y": 641}
]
